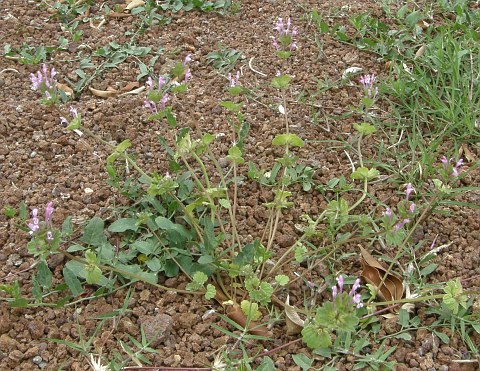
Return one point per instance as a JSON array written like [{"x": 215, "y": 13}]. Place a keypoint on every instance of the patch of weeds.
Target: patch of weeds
[
  {"x": 187, "y": 5},
  {"x": 68, "y": 10},
  {"x": 111, "y": 56},
  {"x": 149, "y": 15},
  {"x": 184, "y": 219},
  {"x": 224, "y": 59},
  {"x": 29, "y": 55}
]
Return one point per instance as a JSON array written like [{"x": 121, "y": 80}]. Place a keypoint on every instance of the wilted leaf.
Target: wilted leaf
[
  {"x": 104, "y": 93},
  {"x": 117, "y": 15},
  {"x": 469, "y": 156},
  {"x": 134, "y": 4},
  {"x": 130, "y": 86},
  {"x": 134, "y": 91},
  {"x": 236, "y": 314},
  {"x": 373, "y": 273},
  {"x": 293, "y": 321},
  {"x": 67, "y": 89},
  {"x": 421, "y": 51}
]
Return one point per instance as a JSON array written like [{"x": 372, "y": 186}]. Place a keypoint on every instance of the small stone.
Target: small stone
[
  {"x": 36, "y": 329},
  {"x": 157, "y": 328},
  {"x": 37, "y": 360},
  {"x": 16, "y": 355},
  {"x": 7, "y": 344}
]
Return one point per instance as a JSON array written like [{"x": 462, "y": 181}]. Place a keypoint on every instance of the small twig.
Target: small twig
[{"x": 253, "y": 69}]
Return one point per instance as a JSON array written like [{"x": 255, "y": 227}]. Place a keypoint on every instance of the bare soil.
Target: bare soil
[{"x": 40, "y": 161}]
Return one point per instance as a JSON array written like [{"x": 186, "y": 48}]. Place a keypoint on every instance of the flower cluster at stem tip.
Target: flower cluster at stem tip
[
  {"x": 406, "y": 210},
  {"x": 34, "y": 224},
  {"x": 355, "y": 297},
  {"x": 285, "y": 43},
  {"x": 44, "y": 81},
  {"x": 367, "y": 82},
  {"x": 446, "y": 163},
  {"x": 151, "y": 104}
]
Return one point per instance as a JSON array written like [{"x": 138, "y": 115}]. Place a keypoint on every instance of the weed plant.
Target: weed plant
[{"x": 185, "y": 220}]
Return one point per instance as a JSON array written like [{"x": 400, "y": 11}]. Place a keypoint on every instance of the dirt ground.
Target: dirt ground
[{"x": 40, "y": 161}]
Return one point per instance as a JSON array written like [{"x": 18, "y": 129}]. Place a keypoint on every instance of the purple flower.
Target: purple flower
[
  {"x": 44, "y": 81},
  {"x": 188, "y": 58},
  {"x": 356, "y": 299},
  {"x": 48, "y": 212},
  {"x": 234, "y": 80},
  {"x": 34, "y": 225},
  {"x": 456, "y": 167},
  {"x": 150, "y": 104},
  {"x": 340, "y": 282},
  {"x": 188, "y": 74},
  {"x": 367, "y": 81},
  {"x": 412, "y": 208},
  {"x": 164, "y": 100},
  {"x": 388, "y": 213},
  {"x": 446, "y": 164},
  {"x": 409, "y": 190},
  {"x": 401, "y": 224},
  {"x": 334, "y": 292},
  {"x": 49, "y": 236},
  {"x": 286, "y": 36},
  {"x": 355, "y": 287}
]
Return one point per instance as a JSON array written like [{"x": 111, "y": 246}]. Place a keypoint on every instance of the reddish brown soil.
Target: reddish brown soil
[{"x": 40, "y": 161}]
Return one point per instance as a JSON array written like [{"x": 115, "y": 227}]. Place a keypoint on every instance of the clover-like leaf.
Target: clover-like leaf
[{"x": 288, "y": 139}]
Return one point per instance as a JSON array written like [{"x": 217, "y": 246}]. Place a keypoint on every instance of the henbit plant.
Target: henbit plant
[{"x": 186, "y": 219}]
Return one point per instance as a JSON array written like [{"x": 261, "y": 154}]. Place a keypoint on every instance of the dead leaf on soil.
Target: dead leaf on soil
[
  {"x": 469, "y": 156},
  {"x": 236, "y": 314},
  {"x": 293, "y": 321},
  {"x": 117, "y": 15},
  {"x": 421, "y": 51},
  {"x": 130, "y": 86},
  {"x": 134, "y": 4},
  {"x": 67, "y": 89},
  {"x": 373, "y": 273},
  {"x": 109, "y": 93}
]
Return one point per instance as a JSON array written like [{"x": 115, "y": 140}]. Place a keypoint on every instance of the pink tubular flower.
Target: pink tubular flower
[
  {"x": 49, "y": 236},
  {"x": 234, "y": 80},
  {"x": 340, "y": 282},
  {"x": 48, "y": 212},
  {"x": 367, "y": 81},
  {"x": 34, "y": 225},
  {"x": 409, "y": 190},
  {"x": 334, "y": 292}
]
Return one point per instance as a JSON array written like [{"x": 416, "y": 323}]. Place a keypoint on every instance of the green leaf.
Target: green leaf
[
  {"x": 404, "y": 336},
  {"x": 363, "y": 173},
  {"x": 250, "y": 310},
  {"x": 93, "y": 274},
  {"x": 443, "y": 337},
  {"x": 72, "y": 282},
  {"x": 288, "y": 139},
  {"x": 231, "y": 106},
  {"x": 281, "y": 82},
  {"x": 428, "y": 269},
  {"x": 44, "y": 275},
  {"x": 235, "y": 155},
  {"x": 365, "y": 128},
  {"x": 211, "y": 292},
  {"x": 123, "y": 146},
  {"x": 316, "y": 338},
  {"x": 123, "y": 224},
  {"x": 93, "y": 233},
  {"x": 303, "y": 361},
  {"x": 224, "y": 203},
  {"x": 266, "y": 365},
  {"x": 282, "y": 279},
  {"x": 67, "y": 227}
]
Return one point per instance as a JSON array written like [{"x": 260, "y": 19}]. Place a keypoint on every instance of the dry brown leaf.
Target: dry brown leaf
[
  {"x": 388, "y": 65},
  {"x": 373, "y": 273},
  {"x": 293, "y": 321},
  {"x": 67, "y": 89},
  {"x": 117, "y": 15},
  {"x": 130, "y": 86},
  {"x": 134, "y": 91},
  {"x": 134, "y": 4},
  {"x": 421, "y": 51},
  {"x": 236, "y": 314},
  {"x": 469, "y": 156},
  {"x": 104, "y": 93}
]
